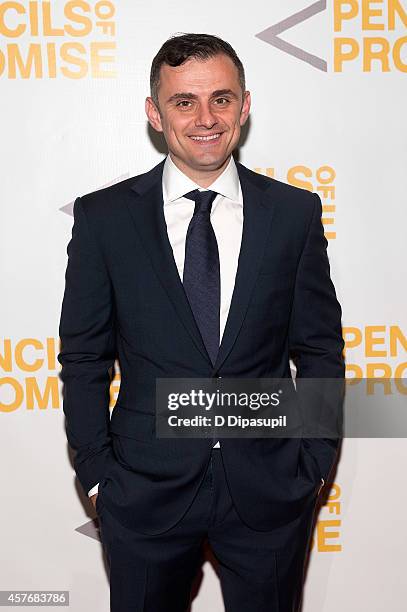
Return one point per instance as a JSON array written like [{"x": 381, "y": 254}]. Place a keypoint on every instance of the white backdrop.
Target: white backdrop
[{"x": 329, "y": 96}]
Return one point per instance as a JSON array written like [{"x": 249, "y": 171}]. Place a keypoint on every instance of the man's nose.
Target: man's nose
[{"x": 205, "y": 117}]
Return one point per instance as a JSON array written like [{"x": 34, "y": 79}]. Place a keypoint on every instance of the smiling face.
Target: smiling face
[{"x": 201, "y": 111}]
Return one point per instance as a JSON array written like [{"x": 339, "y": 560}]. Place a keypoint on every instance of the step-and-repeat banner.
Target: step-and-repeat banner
[{"x": 328, "y": 83}]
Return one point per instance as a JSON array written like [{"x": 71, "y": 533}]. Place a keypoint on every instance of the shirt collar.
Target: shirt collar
[{"x": 176, "y": 183}]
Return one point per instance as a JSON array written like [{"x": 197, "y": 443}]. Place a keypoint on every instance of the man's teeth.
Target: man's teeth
[{"x": 205, "y": 137}]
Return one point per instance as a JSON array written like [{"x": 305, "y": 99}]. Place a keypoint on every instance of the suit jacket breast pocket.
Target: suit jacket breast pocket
[{"x": 272, "y": 288}]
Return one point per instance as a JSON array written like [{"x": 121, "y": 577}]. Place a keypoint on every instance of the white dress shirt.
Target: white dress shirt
[{"x": 227, "y": 222}]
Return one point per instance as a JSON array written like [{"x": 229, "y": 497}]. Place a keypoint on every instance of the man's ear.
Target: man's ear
[
  {"x": 153, "y": 114},
  {"x": 244, "y": 113}
]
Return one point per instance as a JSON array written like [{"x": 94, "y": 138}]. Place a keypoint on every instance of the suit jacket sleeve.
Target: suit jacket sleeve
[
  {"x": 87, "y": 351},
  {"x": 315, "y": 335}
]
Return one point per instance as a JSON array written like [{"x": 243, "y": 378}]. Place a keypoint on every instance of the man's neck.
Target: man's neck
[{"x": 203, "y": 178}]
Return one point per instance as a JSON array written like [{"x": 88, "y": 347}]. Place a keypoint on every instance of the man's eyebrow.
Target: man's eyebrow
[
  {"x": 224, "y": 92},
  {"x": 190, "y": 96},
  {"x": 183, "y": 95}
]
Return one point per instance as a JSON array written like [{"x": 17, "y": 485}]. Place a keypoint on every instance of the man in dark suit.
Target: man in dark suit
[{"x": 199, "y": 268}]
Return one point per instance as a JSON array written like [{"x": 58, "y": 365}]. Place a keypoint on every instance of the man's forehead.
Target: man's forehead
[{"x": 197, "y": 77}]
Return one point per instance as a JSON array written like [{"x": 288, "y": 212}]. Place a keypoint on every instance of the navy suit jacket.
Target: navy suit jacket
[{"x": 124, "y": 299}]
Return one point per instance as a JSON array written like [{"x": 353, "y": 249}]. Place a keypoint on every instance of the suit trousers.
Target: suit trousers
[{"x": 155, "y": 573}]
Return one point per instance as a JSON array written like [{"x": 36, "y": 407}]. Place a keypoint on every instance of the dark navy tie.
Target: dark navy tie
[{"x": 201, "y": 276}]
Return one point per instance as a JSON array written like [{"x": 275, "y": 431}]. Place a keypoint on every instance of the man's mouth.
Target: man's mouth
[{"x": 207, "y": 138}]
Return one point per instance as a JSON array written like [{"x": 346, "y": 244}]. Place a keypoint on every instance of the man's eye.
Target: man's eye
[
  {"x": 183, "y": 103},
  {"x": 222, "y": 99}
]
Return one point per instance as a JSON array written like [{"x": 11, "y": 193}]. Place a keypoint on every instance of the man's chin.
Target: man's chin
[{"x": 209, "y": 162}]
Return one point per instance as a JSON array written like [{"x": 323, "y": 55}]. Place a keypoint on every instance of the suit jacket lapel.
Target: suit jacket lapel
[
  {"x": 147, "y": 212},
  {"x": 257, "y": 213},
  {"x": 148, "y": 215}
]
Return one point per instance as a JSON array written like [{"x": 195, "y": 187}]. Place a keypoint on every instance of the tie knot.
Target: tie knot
[{"x": 203, "y": 200}]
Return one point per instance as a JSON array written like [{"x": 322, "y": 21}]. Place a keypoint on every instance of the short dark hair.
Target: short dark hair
[{"x": 180, "y": 48}]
